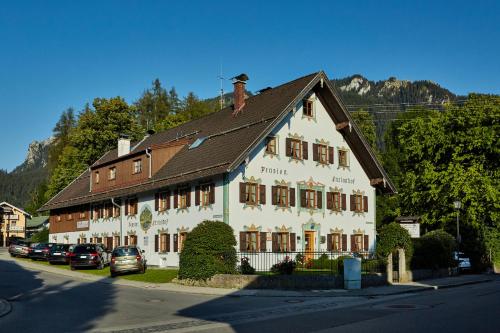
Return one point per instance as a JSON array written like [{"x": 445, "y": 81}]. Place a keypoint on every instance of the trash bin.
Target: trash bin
[{"x": 352, "y": 273}]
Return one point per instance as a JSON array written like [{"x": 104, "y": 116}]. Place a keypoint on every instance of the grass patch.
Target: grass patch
[{"x": 152, "y": 275}]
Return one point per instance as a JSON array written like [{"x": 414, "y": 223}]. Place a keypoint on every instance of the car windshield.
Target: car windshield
[
  {"x": 60, "y": 247},
  {"x": 125, "y": 251},
  {"x": 41, "y": 246},
  {"x": 84, "y": 249},
  {"x": 23, "y": 244}
]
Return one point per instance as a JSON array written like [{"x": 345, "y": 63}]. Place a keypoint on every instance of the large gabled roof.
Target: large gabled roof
[{"x": 229, "y": 140}]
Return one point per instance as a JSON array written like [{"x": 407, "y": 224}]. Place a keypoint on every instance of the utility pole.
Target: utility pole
[{"x": 458, "y": 205}]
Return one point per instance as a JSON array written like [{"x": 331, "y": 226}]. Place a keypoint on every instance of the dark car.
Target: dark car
[
  {"x": 60, "y": 254},
  {"x": 89, "y": 255},
  {"x": 40, "y": 251},
  {"x": 127, "y": 259},
  {"x": 19, "y": 248}
]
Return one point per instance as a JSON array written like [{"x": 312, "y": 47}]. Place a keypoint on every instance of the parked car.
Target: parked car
[
  {"x": 463, "y": 261},
  {"x": 40, "y": 251},
  {"x": 60, "y": 254},
  {"x": 89, "y": 255},
  {"x": 19, "y": 248},
  {"x": 127, "y": 259}
]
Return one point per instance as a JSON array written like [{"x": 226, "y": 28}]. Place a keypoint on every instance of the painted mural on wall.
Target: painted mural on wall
[{"x": 146, "y": 218}]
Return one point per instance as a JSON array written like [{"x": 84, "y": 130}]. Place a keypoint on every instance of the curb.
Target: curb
[{"x": 5, "y": 307}]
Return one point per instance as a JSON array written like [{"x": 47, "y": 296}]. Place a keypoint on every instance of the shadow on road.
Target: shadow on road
[{"x": 68, "y": 306}]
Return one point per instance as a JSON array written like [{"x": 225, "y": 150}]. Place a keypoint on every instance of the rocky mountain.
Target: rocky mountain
[
  {"x": 16, "y": 186},
  {"x": 357, "y": 89}
]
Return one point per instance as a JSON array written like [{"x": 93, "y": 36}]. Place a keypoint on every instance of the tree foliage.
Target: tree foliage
[
  {"x": 441, "y": 156},
  {"x": 392, "y": 236},
  {"x": 209, "y": 249}
]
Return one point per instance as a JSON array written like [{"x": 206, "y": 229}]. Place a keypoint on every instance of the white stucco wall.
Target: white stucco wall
[
  {"x": 268, "y": 169},
  {"x": 267, "y": 218}
]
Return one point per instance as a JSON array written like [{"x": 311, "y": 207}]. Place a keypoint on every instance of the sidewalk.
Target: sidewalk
[{"x": 394, "y": 289}]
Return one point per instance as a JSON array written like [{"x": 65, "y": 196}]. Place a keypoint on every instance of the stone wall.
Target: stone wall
[{"x": 283, "y": 281}]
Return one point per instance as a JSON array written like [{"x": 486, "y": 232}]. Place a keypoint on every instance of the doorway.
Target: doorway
[{"x": 309, "y": 241}]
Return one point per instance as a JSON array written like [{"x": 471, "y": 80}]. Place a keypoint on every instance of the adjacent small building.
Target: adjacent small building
[
  {"x": 287, "y": 169},
  {"x": 12, "y": 222},
  {"x": 36, "y": 224}
]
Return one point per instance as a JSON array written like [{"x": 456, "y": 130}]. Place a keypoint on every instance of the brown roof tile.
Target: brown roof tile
[{"x": 228, "y": 136}]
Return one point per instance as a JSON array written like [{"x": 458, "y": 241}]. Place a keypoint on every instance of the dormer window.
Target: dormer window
[
  {"x": 307, "y": 106},
  {"x": 96, "y": 177},
  {"x": 137, "y": 166},
  {"x": 112, "y": 173}
]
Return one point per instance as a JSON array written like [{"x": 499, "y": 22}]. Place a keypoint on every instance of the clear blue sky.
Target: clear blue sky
[{"x": 57, "y": 54}]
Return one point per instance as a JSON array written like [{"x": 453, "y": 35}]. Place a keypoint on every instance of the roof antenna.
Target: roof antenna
[{"x": 221, "y": 78}]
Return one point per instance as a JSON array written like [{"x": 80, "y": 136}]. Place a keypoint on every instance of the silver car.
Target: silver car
[{"x": 127, "y": 259}]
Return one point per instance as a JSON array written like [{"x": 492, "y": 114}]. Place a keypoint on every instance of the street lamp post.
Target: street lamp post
[{"x": 458, "y": 205}]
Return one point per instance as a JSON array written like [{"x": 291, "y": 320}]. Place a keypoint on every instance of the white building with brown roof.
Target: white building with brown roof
[{"x": 287, "y": 169}]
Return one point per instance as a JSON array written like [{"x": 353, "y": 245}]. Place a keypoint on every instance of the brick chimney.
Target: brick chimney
[{"x": 239, "y": 83}]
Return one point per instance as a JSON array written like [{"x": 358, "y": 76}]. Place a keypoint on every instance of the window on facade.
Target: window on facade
[
  {"x": 132, "y": 240},
  {"x": 337, "y": 201},
  {"x": 109, "y": 210},
  {"x": 343, "y": 158},
  {"x": 205, "y": 199},
  {"x": 112, "y": 173},
  {"x": 358, "y": 202},
  {"x": 116, "y": 241},
  {"x": 336, "y": 242},
  {"x": 271, "y": 147},
  {"x": 310, "y": 199},
  {"x": 280, "y": 194},
  {"x": 98, "y": 240},
  {"x": 116, "y": 211},
  {"x": 137, "y": 166},
  {"x": 183, "y": 198},
  {"x": 251, "y": 241},
  {"x": 283, "y": 244},
  {"x": 96, "y": 177},
  {"x": 307, "y": 107},
  {"x": 164, "y": 242},
  {"x": 296, "y": 149},
  {"x": 322, "y": 154},
  {"x": 82, "y": 214},
  {"x": 69, "y": 216},
  {"x": 182, "y": 239},
  {"x": 358, "y": 241},
  {"x": 251, "y": 193},
  {"x": 163, "y": 198},
  {"x": 58, "y": 218},
  {"x": 132, "y": 206}
]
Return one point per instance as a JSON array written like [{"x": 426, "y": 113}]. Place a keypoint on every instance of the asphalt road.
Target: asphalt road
[{"x": 45, "y": 302}]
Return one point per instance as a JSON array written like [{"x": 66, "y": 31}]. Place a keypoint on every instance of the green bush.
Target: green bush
[
  {"x": 287, "y": 266},
  {"x": 245, "y": 267},
  {"x": 434, "y": 250},
  {"x": 391, "y": 237},
  {"x": 209, "y": 249}
]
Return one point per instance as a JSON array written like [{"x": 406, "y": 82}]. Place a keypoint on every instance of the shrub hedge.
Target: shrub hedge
[
  {"x": 209, "y": 249},
  {"x": 434, "y": 250}
]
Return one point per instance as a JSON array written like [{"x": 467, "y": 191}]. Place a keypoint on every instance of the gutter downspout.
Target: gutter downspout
[
  {"x": 150, "y": 157},
  {"x": 121, "y": 218},
  {"x": 225, "y": 200}
]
